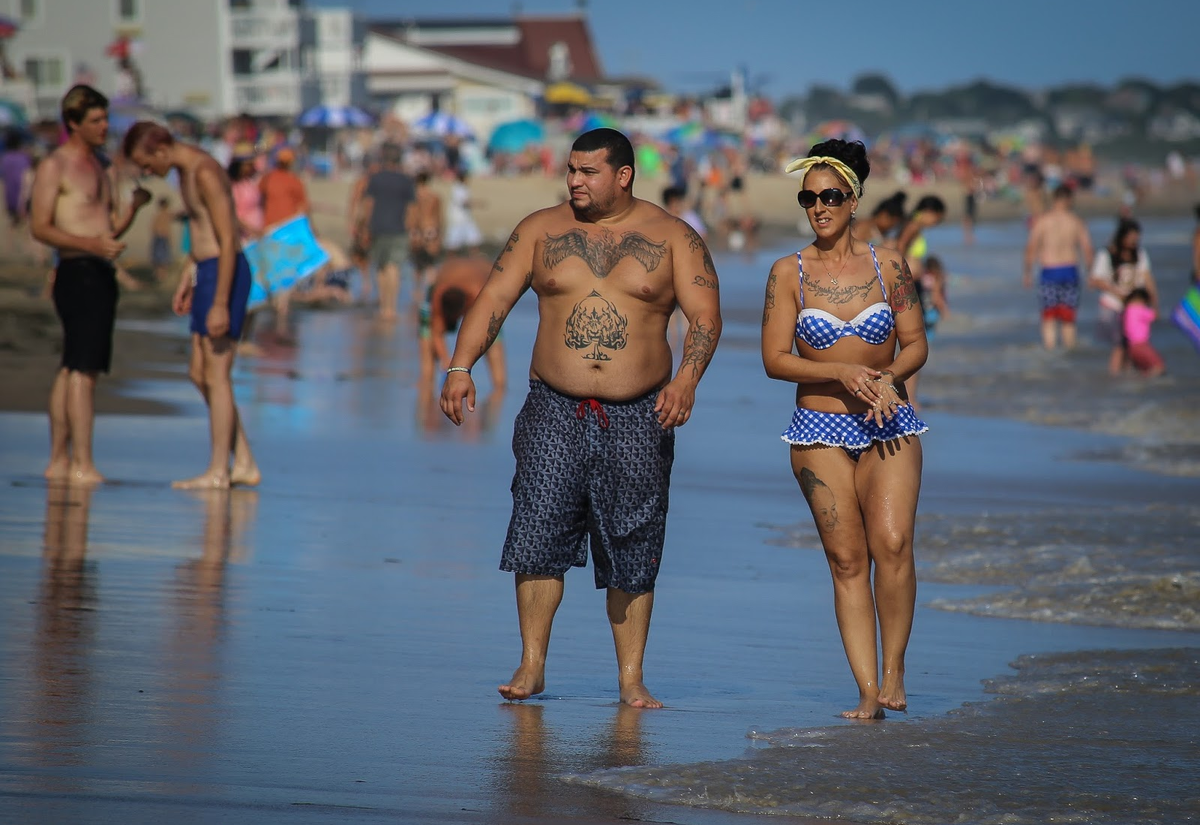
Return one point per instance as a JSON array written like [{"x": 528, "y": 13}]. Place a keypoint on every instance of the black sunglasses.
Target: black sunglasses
[{"x": 807, "y": 198}]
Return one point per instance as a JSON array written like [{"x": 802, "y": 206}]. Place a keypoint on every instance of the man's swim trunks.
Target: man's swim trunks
[
  {"x": 1059, "y": 293},
  {"x": 850, "y": 431},
  {"x": 589, "y": 468},
  {"x": 85, "y": 298},
  {"x": 206, "y": 288}
]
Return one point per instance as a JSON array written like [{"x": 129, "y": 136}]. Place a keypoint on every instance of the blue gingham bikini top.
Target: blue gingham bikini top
[{"x": 821, "y": 330}]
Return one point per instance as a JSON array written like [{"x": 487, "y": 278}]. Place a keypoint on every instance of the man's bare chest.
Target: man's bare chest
[{"x": 602, "y": 254}]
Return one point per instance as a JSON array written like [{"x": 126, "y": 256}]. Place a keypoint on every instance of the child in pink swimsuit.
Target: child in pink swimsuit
[{"x": 1136, "y": 321}]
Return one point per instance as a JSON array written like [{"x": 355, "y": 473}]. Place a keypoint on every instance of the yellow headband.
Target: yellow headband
[{"x": 804, "y": 164}]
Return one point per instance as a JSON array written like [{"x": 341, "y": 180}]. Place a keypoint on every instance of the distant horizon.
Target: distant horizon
[{"x": 922, "y": 46}]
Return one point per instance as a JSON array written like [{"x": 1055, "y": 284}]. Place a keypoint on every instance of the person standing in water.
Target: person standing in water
[
  {"x": 216, "y": 301},
  {"x": 1059, "y": 242},
  {"x": 595, "y": 440},
  {"x": 842, "y": 322}
]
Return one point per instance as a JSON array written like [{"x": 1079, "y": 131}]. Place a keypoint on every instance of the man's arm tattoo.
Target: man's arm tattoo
[
  {"x": 508, "y": 247},
  {"x": 696, "y": 242},
  {"x": 494, "y": 324},
  {"x": 708, "y": 283},
  {"x": 769, "y": 302},
  {"x": 904, "y": 293},
  {"x": 698, "y": 351}
]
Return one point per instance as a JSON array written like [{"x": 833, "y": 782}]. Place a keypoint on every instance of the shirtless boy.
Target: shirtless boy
[
  {"x": 1058, "y": 241},
  {"x": 457, "y": 284},
  {"x": 217, "y": 299},
  {"x": 595, "y": 439},
  {"x": 72, "y": 211}
]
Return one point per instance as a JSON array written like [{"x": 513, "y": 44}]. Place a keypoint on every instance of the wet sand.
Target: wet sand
[{"x": 326, "y": 648}]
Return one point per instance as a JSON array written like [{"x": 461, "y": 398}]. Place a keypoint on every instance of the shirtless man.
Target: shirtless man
[
  {"x": 451, "y": 295},
  {"x": 424, "y": 222},
  {"x": 595, "y": 440},
  {"x": 217, "y": 299},
  {"x": 1058, "y": 241},
  {"x": 72, "y": 211}
]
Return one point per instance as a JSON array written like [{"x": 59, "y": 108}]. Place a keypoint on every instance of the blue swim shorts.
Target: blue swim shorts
[
  {"x": 589, "y": 469},
  {"x": 850, "y": 431},
  {"x": 206, "y": 287}
]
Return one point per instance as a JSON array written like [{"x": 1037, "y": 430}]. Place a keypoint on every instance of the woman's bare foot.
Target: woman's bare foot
[
  {"x": 527, "y": 681},
  {"x": 867, "y": 709},
  {"x": 84, "y": 475},
  {"x": 208, "y": 481},
  {"x": 636, "y": 696},
  {"x": 891, "y": 692},
  {"x": 245, "y": 476},
  {"x": 57, "y": 471}
]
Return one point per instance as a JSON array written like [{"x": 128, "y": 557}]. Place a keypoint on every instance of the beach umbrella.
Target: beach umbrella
[
  {"x": 8, "y": 27},
  {"x": 12, "y": 114},
  {"x": 685, "y": 134},
  {"x": 598, "y": 120},
  {"x": 516, "y": 135},
  {"x": 567, "y": 93},
  {"x": 334, "y": 117},
  {"x": 441, "y": 124}
]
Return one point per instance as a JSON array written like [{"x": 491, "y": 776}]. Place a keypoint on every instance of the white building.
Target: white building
[{"x": 213, "y": 57}]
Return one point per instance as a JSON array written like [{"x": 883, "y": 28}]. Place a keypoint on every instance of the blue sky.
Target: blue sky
[{"x": 788, "y": 45}]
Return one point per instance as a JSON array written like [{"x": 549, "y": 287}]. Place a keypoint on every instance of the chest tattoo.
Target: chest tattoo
[{"x": 602, "y": 252}]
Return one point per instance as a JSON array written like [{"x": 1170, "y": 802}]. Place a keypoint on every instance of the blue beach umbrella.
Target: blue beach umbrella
[
  {"x": 516, "y": 136},
  {"x": 440, "y": 124},
  {"x": 334, "y": 117}
]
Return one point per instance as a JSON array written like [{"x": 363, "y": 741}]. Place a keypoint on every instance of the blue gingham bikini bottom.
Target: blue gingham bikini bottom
[{"x": 850, "y": 431}]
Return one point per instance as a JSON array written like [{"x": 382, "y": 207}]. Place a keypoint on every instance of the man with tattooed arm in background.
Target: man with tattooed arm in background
[{"x": 595, "y": 439}]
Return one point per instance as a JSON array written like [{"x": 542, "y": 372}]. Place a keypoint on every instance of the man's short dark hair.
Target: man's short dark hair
[
  {"x": 453, "y": 302},
  {"x": 77, "y": 102},
  {"x": 619, "y": 151},
  {"x": 1063, "y": 192},
  {"x": 672, "y": 194}
]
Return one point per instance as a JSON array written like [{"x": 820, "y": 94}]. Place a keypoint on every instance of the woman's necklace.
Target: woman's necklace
[{"x": 832, "y": 278}]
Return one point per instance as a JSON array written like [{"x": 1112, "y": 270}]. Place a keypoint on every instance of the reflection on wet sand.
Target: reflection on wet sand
[
  {"x": 65, "y": 630},
  {"x": 528, "y": 774},
  {"x": 192, "y": 649},
  {"x": 431, "y": 422}
]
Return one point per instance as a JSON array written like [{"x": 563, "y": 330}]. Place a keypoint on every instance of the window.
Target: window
[
  {"x": 239, "y": 4},
  {"x": 45, "y": 72},
  {"x": 129, "y": 11},
  {"x": 243, "y": 62},
  {"x": 30, "y": 11}
]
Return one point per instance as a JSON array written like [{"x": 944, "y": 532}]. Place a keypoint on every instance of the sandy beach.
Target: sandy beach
[{"x": 325, "y": 649}]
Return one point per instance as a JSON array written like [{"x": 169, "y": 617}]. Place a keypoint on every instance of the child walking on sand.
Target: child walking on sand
[{"x": 1136, "y": 321}]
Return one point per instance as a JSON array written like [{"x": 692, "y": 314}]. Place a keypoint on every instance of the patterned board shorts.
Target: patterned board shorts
[
  {"x": 1058, "y": 293},
  {"x": 850, "y": 431},
  {"x": 594, "y": 469}
]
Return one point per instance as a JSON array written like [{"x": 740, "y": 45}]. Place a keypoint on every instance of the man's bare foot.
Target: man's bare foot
[
  {"x": 891, "y": 692},
  {"x": 526, "y": 682},
  {"x": 84, "y": 475},
  {"x": 208, "y": 481},
  {"x": 636, "y": 696},
  {"x": 867, "y": 709},
  {"x": 57, "y": 471},
  {"x": 245, "y": 476}
]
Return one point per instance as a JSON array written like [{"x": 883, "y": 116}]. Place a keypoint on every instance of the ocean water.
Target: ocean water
[{"x": 1094, "y": 737}]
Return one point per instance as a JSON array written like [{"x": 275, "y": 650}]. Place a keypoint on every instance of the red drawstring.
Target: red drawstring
[{"x": 592, "y": 404}]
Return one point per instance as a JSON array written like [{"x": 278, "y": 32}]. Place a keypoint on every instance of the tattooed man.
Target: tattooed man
[
  {"x": 595, "y": 439},
  {"x": 841, "y": 321}
]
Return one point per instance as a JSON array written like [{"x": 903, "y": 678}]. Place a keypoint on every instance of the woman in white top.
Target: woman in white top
[
  {"x": 462, "y": 234},
  {"x": 1118, "y": 270}
]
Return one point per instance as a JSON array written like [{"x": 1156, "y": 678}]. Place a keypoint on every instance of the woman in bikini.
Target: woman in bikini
[{"x": 841, "y": 320}]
